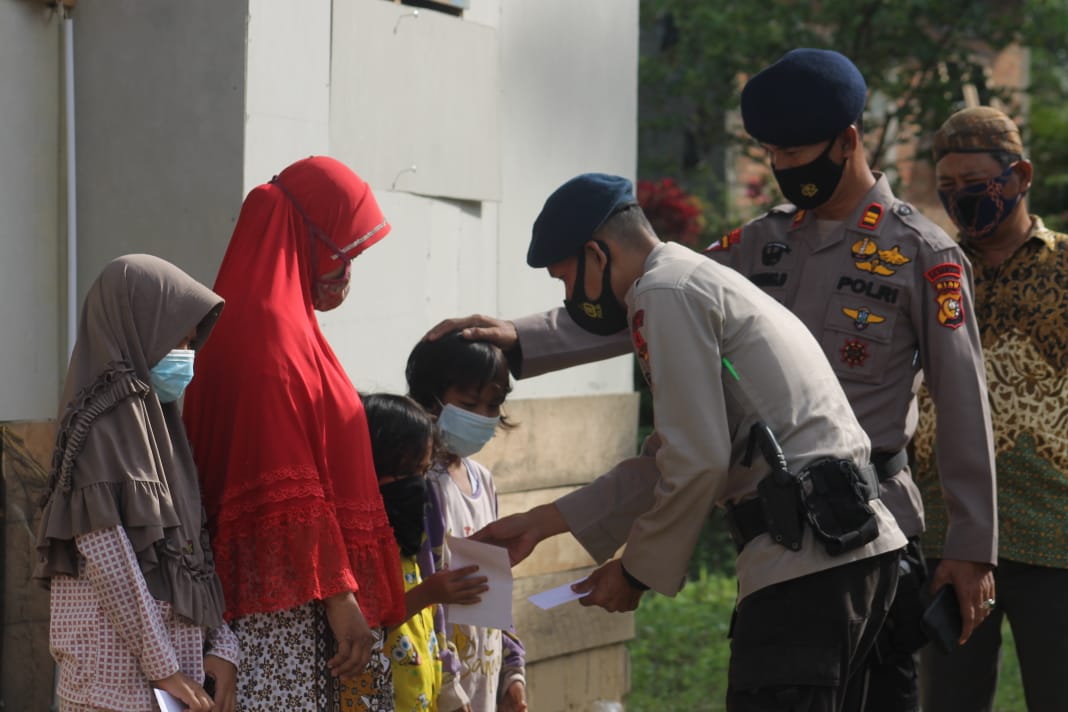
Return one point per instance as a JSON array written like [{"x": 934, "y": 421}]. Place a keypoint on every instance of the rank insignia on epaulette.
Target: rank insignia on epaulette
[
  {"x": 854, "y": 352},
  {"x": 799, "y": 216},
  {"x": 863, "y": 317},
  {"x": 869, "y": 258},
  {"x": 724, "y": 243},
  {"x": 872, "y": 215},
  {"x": 946, "y": 279}
]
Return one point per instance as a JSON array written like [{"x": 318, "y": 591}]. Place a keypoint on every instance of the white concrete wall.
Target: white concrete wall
[
  {"x": 565, "y": 84},
  {"x": 184, "y": 107},
  {"x": 569, "y": 74},
  {"x": 31, "y": 264},
  {"x": 161, "y": 121}
]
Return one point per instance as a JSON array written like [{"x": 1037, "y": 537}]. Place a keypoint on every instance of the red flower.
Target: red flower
[{"x": 674, "y": 213}]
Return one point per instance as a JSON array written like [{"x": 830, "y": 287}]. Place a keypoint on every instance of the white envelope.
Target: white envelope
[{"x": 495, "y": 608}]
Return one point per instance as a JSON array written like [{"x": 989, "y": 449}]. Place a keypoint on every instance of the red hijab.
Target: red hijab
[{"x": 278, "y": 431}]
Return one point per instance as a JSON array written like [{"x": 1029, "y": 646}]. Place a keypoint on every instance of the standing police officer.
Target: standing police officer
[
  {"x": 751, "y": 417},
  {"x": 887, "y": 294}
]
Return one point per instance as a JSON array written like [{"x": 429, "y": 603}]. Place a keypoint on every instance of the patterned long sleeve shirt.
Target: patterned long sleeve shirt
[
  {"x": 111, "y": 638},
  {"x": 1022, "y": 309}
]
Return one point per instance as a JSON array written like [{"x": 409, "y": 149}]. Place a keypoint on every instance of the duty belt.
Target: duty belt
[
  {"x": 888, "y": 464},
  {"x": 746, "y": 520}
]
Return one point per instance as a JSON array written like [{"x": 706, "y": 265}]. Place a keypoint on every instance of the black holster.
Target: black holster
[{"x": 834, "y": 497}]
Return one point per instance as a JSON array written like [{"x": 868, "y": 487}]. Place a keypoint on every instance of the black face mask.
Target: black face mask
[
  {"x": 811, "y": 185},
  {"x": 602, "y": 316},
  {"x": 405, "y": 501}
]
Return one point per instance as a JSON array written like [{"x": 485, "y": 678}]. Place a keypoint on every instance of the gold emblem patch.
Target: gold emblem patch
[{"x": 882, "y": 262}]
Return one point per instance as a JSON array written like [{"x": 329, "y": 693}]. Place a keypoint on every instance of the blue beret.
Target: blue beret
[
  {"x": 573, "y": 213},
  {"x": 808, "y": 96}
]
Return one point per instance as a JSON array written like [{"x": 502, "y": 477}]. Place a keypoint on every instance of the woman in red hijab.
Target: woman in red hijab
[{"x": 303, "y": 547}]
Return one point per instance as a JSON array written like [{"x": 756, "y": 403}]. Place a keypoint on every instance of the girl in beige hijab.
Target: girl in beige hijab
[{"x": 122, "y": 545}]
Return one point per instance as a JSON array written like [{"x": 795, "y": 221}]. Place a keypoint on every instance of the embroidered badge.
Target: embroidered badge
[
  {"x": 869, "y": 258},
  {"x": 854, "y": 352},
  {"x": 799, "y": 216},
  {"x": 773, "y": 252},
  {"x": 809, "y": 189},
  {"x": 872, "y": 215},
  {"x": 641, "y": 346},
  {"x": 863, "y": 317},
  {"x": 946, "y": 279},
  {"x": 724, "y": 243}
]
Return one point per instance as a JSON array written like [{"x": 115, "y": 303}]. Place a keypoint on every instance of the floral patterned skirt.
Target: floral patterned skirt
[{"x": 283, "y": 665}]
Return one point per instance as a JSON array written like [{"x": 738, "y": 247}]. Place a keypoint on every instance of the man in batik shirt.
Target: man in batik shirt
[{"x": 1021, "y": 303}]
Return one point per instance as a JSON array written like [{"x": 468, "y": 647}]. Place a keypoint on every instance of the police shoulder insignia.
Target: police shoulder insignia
[
  {"x": 872, "y": 216},
  {"x": 724, "y": 243},
  {"x": 946, "y": 279},
  {"x": 641, "y": 346}
]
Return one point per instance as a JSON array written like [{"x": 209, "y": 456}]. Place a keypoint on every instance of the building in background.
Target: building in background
[{"x": 463, "y": 119}]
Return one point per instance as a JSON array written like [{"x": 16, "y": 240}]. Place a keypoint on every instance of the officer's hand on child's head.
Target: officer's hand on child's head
[{"x": 478, "y": 328}]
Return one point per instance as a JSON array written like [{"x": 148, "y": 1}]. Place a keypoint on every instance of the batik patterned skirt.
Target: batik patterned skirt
[{"x": 283, "y": 664}]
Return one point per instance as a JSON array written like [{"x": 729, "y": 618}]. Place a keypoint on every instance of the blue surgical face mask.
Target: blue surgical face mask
[
  {"x": 172, "y": 374},
  {"x": 465, "y": 433}
]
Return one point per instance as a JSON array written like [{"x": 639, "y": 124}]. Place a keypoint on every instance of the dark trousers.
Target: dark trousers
[
  {"x": 801, "y": 645},
  {"x": 1035, "y": 600},
  {"x": 893, "y": 679}
]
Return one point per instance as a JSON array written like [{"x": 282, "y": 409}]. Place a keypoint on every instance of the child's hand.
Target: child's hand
[
  {"x": 515, "y": 699},
  {"x": 459, "y": 586},
  {"x": 224, "y": 674}
]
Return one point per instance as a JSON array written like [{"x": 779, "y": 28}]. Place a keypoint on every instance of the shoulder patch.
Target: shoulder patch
[
  {"x": 946, "y": 279},
  {"x": 724, "y": 243},
  {"x": 641, "y": 346}
]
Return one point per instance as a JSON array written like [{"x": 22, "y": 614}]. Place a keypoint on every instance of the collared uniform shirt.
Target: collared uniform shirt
[
  {"x": 888, "y": 295},
  {"x": 687, "y": 314},
  {"x": 1022, "y": 310}
]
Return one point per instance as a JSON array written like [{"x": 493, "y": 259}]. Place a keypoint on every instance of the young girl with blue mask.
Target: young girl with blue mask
[{"x": 463, "y": 384}]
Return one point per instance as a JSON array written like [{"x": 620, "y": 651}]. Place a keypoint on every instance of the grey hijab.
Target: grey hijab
[{"x": 121, "y": 457}]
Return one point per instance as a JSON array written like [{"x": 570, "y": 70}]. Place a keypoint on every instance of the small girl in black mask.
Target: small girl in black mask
[{"x": 403, "y": 443}]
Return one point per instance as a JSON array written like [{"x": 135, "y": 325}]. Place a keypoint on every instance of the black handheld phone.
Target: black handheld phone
[{"x": 941, "y": 619}]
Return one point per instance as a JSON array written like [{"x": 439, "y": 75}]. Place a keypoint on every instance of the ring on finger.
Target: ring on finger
[{"x": 988, "y": 604}]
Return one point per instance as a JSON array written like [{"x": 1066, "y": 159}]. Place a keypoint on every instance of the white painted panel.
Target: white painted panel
[
  {"x": 418, "y": 91},
  {"x": 160, "y": 101},
  {"x": 439, "y": 260},
  {"x": 570, "y": 69},
  {"x": 287, "y": 99},
  {"x": 31, "y": 269}
]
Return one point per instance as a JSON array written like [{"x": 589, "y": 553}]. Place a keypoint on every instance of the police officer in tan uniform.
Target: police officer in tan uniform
[
  {"x": 888, "y": 296},
  {"x": 734, "y": 376}
]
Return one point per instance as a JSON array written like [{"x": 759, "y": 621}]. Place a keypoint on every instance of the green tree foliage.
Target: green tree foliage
[{"x": 916, "y": 55}]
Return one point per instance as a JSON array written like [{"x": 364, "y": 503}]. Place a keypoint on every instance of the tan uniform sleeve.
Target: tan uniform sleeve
[
  {"x": 952, "y": 361},
  {"x": 552, "y": 341},
  {"x": 600, "y": 515},
  {"x": 681, "y": 333}
]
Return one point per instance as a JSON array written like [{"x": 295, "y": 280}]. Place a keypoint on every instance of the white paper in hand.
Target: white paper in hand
[
  {"x": 495, "y": 608},
  {"x": 557, "y": 596},
  {"x": 168, "y": 702}
]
